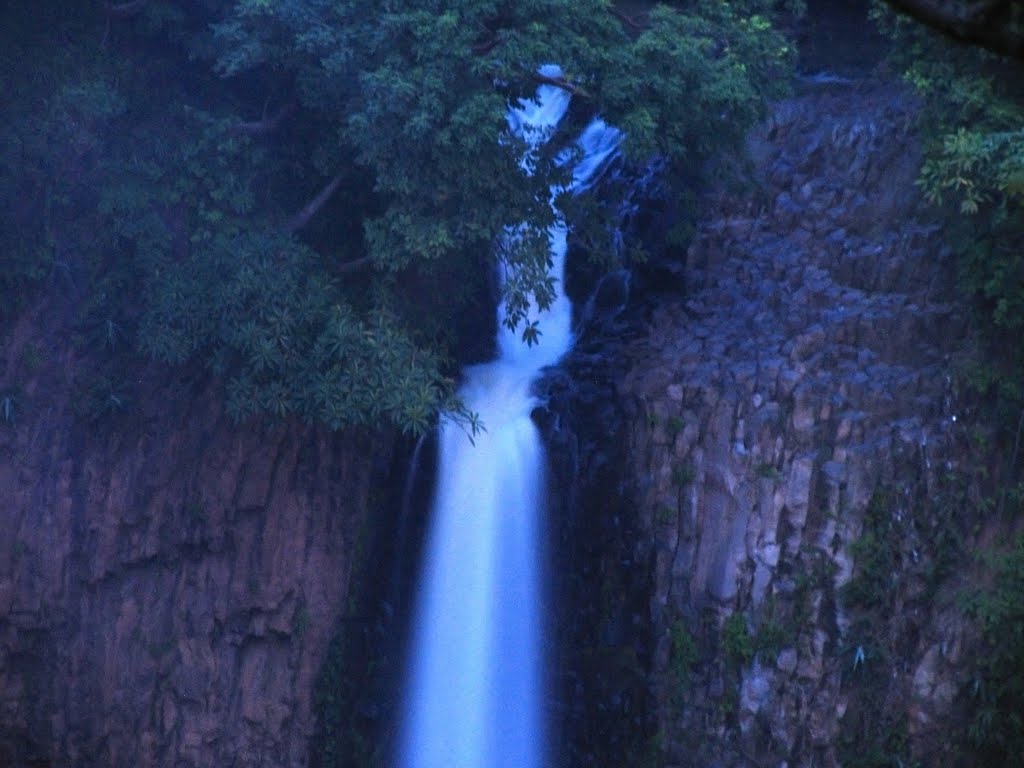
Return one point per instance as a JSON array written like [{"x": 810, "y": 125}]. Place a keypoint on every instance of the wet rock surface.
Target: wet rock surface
[{"x": 801, "y": 368}]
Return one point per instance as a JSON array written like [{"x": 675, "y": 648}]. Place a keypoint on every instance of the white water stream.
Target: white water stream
[{"x": 475, "y": 691}]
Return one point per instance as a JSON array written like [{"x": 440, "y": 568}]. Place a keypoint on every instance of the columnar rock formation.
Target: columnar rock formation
[
  {"x": 808, "y": 369},
  {"x": 790, "y": 405},
  {"x": 168, "y": 582}
]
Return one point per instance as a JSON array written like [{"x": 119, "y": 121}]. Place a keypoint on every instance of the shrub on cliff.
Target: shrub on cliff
[{"x": 974, "y": 163}]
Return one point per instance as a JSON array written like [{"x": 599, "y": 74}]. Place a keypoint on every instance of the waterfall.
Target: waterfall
[{"x": 475, "y": 692}]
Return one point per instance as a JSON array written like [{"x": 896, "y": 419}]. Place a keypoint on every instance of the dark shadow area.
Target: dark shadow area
[
  {"x": 837, "y": 38},
  {"x": 358, "y": 694}
]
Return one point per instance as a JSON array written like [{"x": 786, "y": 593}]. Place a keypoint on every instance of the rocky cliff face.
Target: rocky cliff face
[
  {"x": 808, "y": 370},
  {"x": 775, "y": 450},
  {"x": 168, "y": 582},
  {"x": 756, "y": 478}
]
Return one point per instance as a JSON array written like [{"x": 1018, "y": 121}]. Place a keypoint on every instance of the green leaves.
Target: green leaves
[
  {"x": 974, "y": 166},
  {"x": 424, "y": 95},
  {"x": 145, "y": 165},
  {"x": 262, "y": 307},
  {"x": 696, "y": 79}
]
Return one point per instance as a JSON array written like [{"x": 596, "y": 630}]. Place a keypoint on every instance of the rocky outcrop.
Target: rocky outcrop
[
  {"x": 808, "y": 369},
  {"x": 755, "y": 475},
  {"x": 168, "y": 582},
  {"x": 783, "y": 442}
]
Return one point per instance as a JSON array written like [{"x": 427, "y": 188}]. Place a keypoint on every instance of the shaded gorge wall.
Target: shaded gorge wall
[
  {"x": 169, "y": 581},
  {"x": 769, "y": 479}
]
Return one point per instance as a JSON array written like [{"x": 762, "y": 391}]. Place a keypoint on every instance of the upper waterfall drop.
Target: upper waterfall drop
[
  {"x": 534, "y": 121},
  {"x": 476, "y": 690}
]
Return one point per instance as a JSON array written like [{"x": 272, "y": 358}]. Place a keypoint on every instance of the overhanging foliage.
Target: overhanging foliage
[{"x": 305, "y": 194}]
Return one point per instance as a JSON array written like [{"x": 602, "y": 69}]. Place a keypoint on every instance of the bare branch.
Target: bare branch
[
  {"x": 485, "y": 46},
  {"x": 630, "y": 21},
  {"x": 352, "y": 266},
  {"x": 268, "y": 125},
  {"x": 560, "y": 82},
  {"x": 303, "y": 217}
]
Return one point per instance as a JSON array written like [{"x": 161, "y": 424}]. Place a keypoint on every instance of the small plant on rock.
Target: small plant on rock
[
  {"x": 737, "y": 642},
  {"x": 103, "y": 399},
  {"x": 9, "y": 406},
  {"x": 683, "y": 475}
]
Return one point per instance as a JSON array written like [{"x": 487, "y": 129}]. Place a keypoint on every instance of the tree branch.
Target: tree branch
[
  {"x": 985, "y": 23},
  {"x": 560, "y": 82},
  {"x": 124, "y": 10},
  {"x": 352, "y": 266},
  {"x": 630, "y": 21},
  {"x": 485, "y": 46},
  {"x": 268, "y": 125},
  {"x": 303, "y": 217}
]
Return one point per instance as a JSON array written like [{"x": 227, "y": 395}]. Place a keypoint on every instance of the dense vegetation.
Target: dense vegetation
[
  {"x": 974, "y": 166},
  {"x": 304, "y": 195}
]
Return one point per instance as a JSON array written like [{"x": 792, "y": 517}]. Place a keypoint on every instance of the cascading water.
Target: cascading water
[{"x": 475, "y": 691}]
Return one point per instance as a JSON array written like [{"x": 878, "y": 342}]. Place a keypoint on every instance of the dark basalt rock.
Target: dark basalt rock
[
  {"x": 714, "y": 452},
  {"x": 601, "y": 578}
]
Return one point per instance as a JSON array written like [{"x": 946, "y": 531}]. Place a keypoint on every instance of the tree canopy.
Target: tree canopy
[{"x": 304, "y": 195}]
